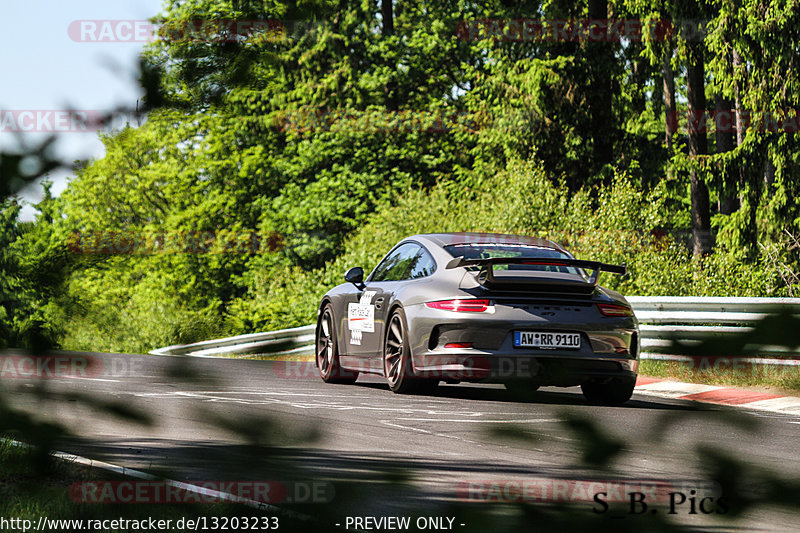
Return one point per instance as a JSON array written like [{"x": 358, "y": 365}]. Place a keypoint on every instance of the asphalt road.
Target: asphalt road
[{"x": 375, "y": 453}]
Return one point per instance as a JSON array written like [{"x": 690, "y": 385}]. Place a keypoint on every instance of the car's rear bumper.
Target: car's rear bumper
[
  {"x": 609, "y": 345},
  {"x": 551, "y": 369}
]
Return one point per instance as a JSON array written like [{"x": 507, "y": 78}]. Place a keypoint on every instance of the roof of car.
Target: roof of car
[{"x": 448, "y": 239}]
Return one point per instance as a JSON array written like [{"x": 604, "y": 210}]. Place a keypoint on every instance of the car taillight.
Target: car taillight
[
  {"x": 475, "y": 306},
  {"x": 458, "y": 345},
  {"x": 615, "y": 310}
]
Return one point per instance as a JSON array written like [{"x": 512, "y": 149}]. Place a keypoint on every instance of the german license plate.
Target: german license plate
[{"x": 546, "y": 339}]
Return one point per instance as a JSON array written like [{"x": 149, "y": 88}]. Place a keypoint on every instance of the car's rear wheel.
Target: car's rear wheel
[
  {"x": 611, "y": 392},
  {"x": 330, "y": 369},
  {"x": 397, "y": 358}
]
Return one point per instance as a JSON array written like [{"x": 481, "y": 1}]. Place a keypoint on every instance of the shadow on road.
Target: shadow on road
[{"x": 548, "y": 396}]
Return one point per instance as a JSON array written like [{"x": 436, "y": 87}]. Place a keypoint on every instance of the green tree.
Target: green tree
[{"x": 754, "y": 52}]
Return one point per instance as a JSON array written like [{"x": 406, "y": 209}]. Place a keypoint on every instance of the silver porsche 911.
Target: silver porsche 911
[{"x": 482, "y": 308}]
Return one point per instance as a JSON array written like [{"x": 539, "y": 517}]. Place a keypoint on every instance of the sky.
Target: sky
[{"x": 46, "y": 67}]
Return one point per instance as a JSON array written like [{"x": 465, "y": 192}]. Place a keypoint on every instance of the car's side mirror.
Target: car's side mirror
[{"x": 355, "y": 276}]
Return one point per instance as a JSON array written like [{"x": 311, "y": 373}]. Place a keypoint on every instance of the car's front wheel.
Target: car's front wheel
[
  {"x": 611, "y": 392},
  {"x": 328, "y": 364}
]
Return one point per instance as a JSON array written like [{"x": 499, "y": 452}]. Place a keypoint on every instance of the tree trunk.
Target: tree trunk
[
  {"x": 769, "y": 171},
  {"x": 670, "y": 114},
  {"x": 698, "y": 146},
  {"x": 640, "y": 75},
  {"x": 724, "y": 120},
  {"x": 601, "y": 54},
  {"x": 749, "y": 189},
  {"x": 387, "y": 15},
  {"x": 737, "y": 63}
]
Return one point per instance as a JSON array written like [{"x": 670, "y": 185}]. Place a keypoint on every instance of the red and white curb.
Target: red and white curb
[{"x": 776, "y": 403}]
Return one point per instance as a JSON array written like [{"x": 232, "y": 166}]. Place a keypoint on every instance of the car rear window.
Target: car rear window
[{"x": 491, "y": 250}]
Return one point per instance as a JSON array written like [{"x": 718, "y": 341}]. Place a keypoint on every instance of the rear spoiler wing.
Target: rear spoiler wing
[{"x": 487, "y": 265}]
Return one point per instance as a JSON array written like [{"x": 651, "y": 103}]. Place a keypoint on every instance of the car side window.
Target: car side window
[
  {"x": 397, "y": 265},
  {"x": 424, "y": 265}
]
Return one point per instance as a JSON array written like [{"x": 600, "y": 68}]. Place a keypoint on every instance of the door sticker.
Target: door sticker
[{"x": 361, "y": 317}]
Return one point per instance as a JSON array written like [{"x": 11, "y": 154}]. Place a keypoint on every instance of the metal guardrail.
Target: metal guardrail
[
  {"x": 293, "y": 341},
  {"x": 687, "y": 319},
  {"x": 662, "y": 319}
]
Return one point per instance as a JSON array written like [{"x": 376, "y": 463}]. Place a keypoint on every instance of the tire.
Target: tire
[
  {"x": 521, "y": 388},
  {"x": 327, "y": 350},
  {"x": 397, "y": 358},
  {"x": 616, "y": 391}
]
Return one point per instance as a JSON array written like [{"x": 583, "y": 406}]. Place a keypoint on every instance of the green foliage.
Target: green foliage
[
  {"x": 304, "y": 151},
  {"x": 9, "y": 282},
  {"x": 33, "y": 267},
  {"x": 136, "y": 305},
  {"x": 624, "y": 224},
  {"x": 301, "y": 153}
]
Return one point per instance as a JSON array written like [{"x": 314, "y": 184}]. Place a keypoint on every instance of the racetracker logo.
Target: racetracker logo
[
  {"x": 50, "y": 120},
  {"x": 304, "y": 370},
  {"x": 68, "y": 366},
  {"x": 373, "y": 121},
  {"x": 544, "y": 490},
  {"x": 171, "y": 492},
  {"x": 480, "y": 238},
  {"x": 725, "y": 121},
  {"x": 145, "y": 31},
  {"x": 578, "y": 30},
  {"x": 49, "y": 366},
  {"x": 768, "y": 368},
  {"x": 441, "y": 367},
  {"x": 173, "y": 242}
]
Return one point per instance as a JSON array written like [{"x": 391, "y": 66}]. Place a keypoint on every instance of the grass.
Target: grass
[
  {"x": 271, "y": 357},
  {"x": 266, "y": 356},
  {"x": 32, "y": 487},
  {"x": 771, "y": 378}
]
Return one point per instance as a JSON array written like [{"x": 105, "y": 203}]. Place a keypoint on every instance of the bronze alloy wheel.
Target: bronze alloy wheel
[
  {"x": 328, "y": 352},
  {"x": 397, "y": 358}
]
